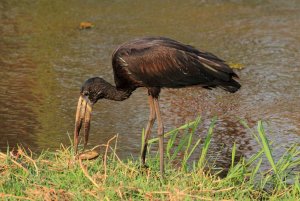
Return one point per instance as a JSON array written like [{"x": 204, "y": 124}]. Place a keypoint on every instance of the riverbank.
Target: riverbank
[{"x": 57, "y": 176}]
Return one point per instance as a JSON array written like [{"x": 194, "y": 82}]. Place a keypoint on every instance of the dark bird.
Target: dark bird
[{"x": 154, "y": 63}]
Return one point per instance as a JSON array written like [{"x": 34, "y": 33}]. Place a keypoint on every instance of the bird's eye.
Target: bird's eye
[{"x": 85, "y": 93}]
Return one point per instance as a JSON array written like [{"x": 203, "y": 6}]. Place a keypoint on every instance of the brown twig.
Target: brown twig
[
  {"x": 105, "y": 157},
  {"x": 222, "y": 190},
  {"x": 4, "y": 156},
  {"x": 19, "y": 165},
  {"x": 133, "y": 170},
  {"x": 119, "y": 193},
  {"x": 30, "y": 159},
  {"x": 2, "y": 195},
  {"x": 84, "y": 170},
  {"x": 91, "y": 193}
]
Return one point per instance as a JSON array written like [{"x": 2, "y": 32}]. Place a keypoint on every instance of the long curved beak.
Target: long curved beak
[{"x": 83, "y": 116}]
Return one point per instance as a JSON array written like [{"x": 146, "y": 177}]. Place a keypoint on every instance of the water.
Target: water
[{"x": 45, "y": 58}]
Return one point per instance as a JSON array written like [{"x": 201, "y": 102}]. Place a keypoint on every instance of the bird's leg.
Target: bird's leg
[
  {"x": 148, "y": 129},
  {"x": 160, "y": 133}
]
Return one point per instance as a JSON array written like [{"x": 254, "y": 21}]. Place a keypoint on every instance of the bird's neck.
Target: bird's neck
[{"x": 112, "y": 93}]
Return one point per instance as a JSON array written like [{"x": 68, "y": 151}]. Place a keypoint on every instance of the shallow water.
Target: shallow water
[{"x": 45, "y": 58}]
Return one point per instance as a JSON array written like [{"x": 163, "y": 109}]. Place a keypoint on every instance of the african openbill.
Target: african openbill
[{"x": 154, "y": 63}]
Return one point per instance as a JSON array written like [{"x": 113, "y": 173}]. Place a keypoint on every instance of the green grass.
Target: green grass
[{"x": 57, "y": 176}]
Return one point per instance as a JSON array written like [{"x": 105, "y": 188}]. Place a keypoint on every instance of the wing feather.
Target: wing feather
[{"x": 163, "y": 62}]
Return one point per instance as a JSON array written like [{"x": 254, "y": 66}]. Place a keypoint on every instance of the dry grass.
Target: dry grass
[{"x": 58, "y": 176}]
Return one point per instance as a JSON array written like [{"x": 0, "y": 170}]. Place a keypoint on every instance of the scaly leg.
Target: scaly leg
[
  {"x": 148, "y": 129},
  {"x": 160, "y": 133}
]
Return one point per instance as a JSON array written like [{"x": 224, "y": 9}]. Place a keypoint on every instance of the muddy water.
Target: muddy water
[{"x": 45, "y": 58}]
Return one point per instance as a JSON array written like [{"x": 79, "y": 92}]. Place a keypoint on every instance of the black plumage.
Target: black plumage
[
  {"x": 162, "y": 62},
  {"x": 154, "y": 63}
]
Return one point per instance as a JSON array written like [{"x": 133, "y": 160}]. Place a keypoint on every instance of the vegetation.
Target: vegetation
[{"x": 57, "y": 176}]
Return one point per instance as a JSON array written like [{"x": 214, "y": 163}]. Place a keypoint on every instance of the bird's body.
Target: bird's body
[
  {"x": 161, "y": 62},
  {"x": 154, "y": 63}
]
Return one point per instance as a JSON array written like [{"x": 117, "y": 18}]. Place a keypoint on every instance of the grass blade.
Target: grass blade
[
  {"x": 254, "y": 172},
  {"x": 266, "y": 147},
  {"x": 170, "y": 144},
  {"x": 192, "y": 150},
  {"x": 206, "y": 143},
  {"x": 143, "y": 140},
  {"x": 182, "y": 142},
  {"x": 185, "y": 126},
  {"x": 233, "y": 153},
  {"x": 188, "y": 153}
]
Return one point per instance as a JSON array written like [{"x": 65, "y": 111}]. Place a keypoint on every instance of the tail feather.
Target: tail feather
[
  {"x": 222, "y": 73},
  {"x": 231, "y": 86},
  {"x": 218, "y": 69}
]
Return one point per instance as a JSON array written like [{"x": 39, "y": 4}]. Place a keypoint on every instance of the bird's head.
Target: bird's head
[{"x": 92, "y": 90}]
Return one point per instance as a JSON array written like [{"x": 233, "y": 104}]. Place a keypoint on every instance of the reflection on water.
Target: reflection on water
[{"x": 45, "y": 58}]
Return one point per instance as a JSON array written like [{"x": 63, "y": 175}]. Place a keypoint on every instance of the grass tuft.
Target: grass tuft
[{"x": 57, "y": 176}]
